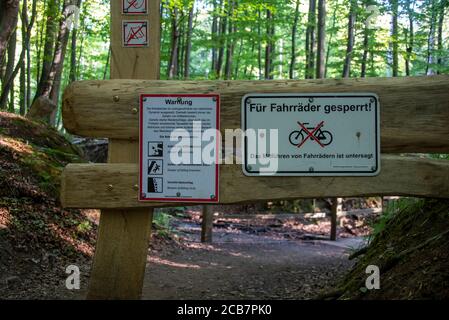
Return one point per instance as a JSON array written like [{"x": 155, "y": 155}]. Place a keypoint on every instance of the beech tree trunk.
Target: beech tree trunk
[
  {"x": 395, "y": 35},
  {"x": 294, "y": 31},
  {"x": 350, "y": 41},
  {"x": 320, "y": 61},
  {"x": 411, "y": 36},
  {"x": 188, "y": 46},
  {"x": 50, "y": 38},
  {"x": 9, "y": 11},
  {"x": 173, "y": 64},
  {"x": 269, "y": 49},
  {"x": 310, "y": 40}
]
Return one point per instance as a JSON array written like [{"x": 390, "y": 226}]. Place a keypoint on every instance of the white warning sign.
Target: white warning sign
[
  {"x": 311, "y": 134},
  {"x": 135, "y": 34},
  {"x": 135, "y": 6},
  {"x": 179, "y": 143}
]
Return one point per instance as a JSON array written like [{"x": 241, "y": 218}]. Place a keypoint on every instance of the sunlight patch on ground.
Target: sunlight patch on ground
[
  {"x": 160, "y": 261},
  {"x": 80, "y": 246},
  {"x": 16, "y": 146},
  {"x": 5, "y": 218}
]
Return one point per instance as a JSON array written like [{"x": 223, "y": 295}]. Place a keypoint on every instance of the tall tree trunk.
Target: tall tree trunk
[
  {"x": 411, "y": 36},
  {"x": 431, "y": 38},
  {"x": 188, "y": 47},
  {"x": 9, "y": 67},
  {"x": 28, "y": 77},
  {"x": 22, "y": 95},
  {"x": 173, "y": 64},
  {"x": 291, "y": 72},
  {"x": 331, "y": 37},
  {"x": 259, "y": 53},
  {"x": 10, "y": 81},
  {"x": 310, "y": 40},
  {"x": 181, "y": 47},
  {"x": 53, "y": 84},
  {"x": 9, "y": 12},
  {"x": 365, "y": 52},
  {"x": 23, "y": 92},
  {"x": 237, "y": 64},
  {"x": 320, "y": 61},
  {"x": 395, "y": 36},
  {"x": 38, "y": 44},
  {"x": 366, "y": 35},
  {"x": 222, "y": 37},
  {"x": 269, "y": 49},
  {"x": 50, "y": 38},
  {"x": 214, "y": 31},
  {"x": 440, "y": 35},
  {"x": 351, "y": 38},
  {"x": 230, "y": 41},
  {"x": 73, "y": 46},
  {"x": 106, "y": 67}
]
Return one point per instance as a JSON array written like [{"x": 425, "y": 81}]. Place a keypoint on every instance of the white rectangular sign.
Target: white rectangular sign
[
  {"x": 135, "y": 33},
  {"x": 179, "y": 148},
  {"x": 134, "y": 6},
  {"x": 311, "y": 134}
]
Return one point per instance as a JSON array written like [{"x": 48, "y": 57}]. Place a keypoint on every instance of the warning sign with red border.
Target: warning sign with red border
[
  {"x": 135, "y": 34},
  {"x": 179, "y": 148},
  {"x": 134, "y": 6}
]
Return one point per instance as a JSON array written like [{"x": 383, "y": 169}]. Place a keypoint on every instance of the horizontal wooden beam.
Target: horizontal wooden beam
[
  {"x": 115, "y": 185},
  {"x": 414, "y": 110}
]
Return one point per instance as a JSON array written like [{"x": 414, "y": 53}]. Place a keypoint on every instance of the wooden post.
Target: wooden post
[
  {"x": 336, "y": 207},
  {"x": 122, "y": 246},
  {"x": 207, "y": 224}
]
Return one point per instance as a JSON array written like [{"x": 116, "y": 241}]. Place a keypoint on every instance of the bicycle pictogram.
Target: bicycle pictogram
[{"x": 299, "y": 137}]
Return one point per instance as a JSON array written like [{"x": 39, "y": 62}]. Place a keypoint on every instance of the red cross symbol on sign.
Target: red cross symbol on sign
[
  {"x": 311, "y": 134},
  {"x": 134, "y": 6},
  {"x": 135, "y": 33}
]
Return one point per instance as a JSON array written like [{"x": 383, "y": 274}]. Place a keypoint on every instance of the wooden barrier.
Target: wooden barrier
[
  {"x": 113, "y": 185},
  {"x": 414, "y": 111}
]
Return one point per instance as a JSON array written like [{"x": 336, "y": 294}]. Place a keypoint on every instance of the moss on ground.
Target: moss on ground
[
  {"x": 410, "y": 247},
  {"x": 32, "y": 157}
]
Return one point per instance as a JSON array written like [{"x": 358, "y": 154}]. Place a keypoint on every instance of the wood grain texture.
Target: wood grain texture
[
  {"x": 414, "y": 110},
  {"x": 122, "y": 246},
  {"x": 135, "y": 63},
  {"x": 207, "y": 224},
  {"x": 89, "y": 185}
]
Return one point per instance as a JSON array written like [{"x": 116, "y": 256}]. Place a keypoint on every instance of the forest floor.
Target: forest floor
[{"x": 243, "y": 262}]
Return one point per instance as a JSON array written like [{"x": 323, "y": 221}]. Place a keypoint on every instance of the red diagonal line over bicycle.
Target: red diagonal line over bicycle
[
  {"x": 133, "y": 4},
  {"x": 133, "y": 34},
  {"x": 310, "y": 134}
]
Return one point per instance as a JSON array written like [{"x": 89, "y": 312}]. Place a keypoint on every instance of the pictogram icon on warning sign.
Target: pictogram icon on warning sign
[
  {"x": 135, "y": 34},
  {"x": 317, "y": 134},
  {"x": 135, "y": 6}
]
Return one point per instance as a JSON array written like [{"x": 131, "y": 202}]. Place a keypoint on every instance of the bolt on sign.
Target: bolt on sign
[
  {"x": 179, "y": 148},
  {"x": 135, "y": 34},
  {"x": 134, "y": 6},
  {"x": 311, "y": 134}
]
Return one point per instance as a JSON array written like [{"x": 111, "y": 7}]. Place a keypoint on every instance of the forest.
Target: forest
[
  {"x": 253, "y": 244},
  {"x": 45, "y": 45}
]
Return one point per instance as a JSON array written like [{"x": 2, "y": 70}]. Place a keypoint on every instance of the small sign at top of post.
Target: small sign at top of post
[
  {"x": 134, "y": 6},
  {"x": 135, "y": 34}
]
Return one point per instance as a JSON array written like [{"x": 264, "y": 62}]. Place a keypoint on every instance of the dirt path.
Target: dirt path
[{"x": 245, "y": 266}]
